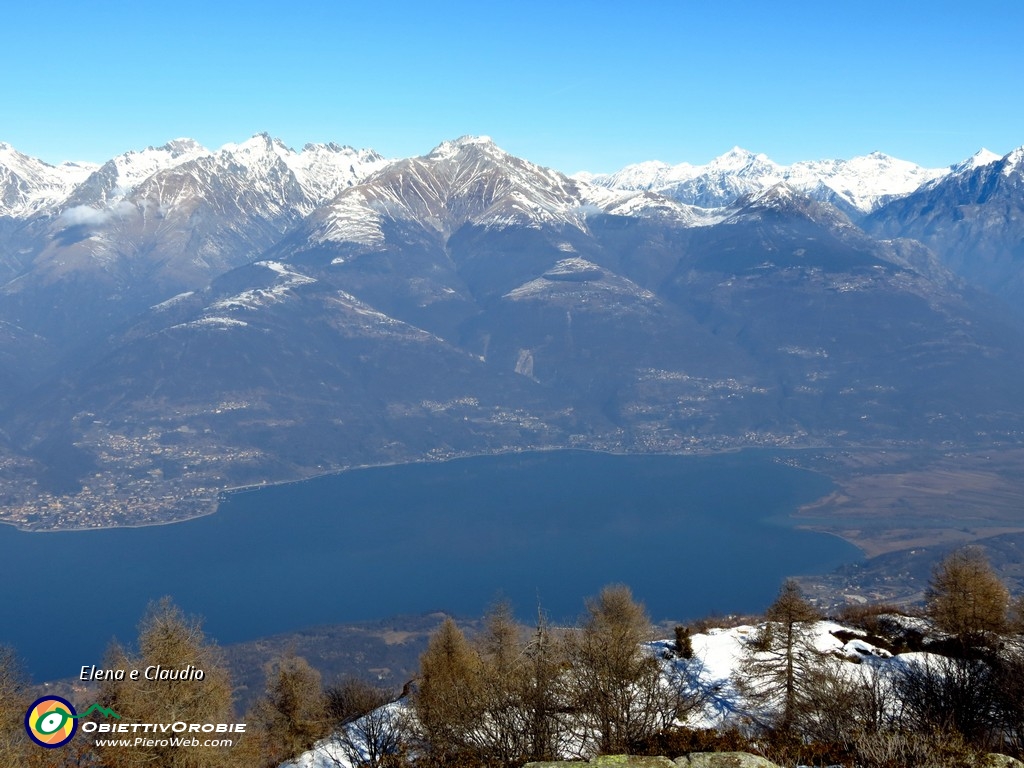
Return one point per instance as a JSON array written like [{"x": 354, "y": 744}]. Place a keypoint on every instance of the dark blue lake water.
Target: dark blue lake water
[{"x": 690, "y": 535}]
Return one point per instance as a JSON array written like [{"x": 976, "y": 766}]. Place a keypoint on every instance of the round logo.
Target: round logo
[{"x": 51, "y": 722}]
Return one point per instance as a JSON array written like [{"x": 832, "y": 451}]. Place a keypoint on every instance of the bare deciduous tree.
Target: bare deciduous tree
[
  {"x": 619, "y": 695},
  {"x": 781, "y": 659},
  {"x": 372, "y": 729},
  {"x": 951, "y": 695},
  {"x": 966, "y": 598},
  {"x": 292, "y": 715},
  {"x": 449, "y": 699},
  {"x": 171, "y": 640}
]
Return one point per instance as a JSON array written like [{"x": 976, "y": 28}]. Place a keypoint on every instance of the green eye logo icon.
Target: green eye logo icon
[{"x": 51, "y": 722}]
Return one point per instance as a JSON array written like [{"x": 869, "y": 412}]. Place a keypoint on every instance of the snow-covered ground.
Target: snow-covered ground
[
  {"x": 710, "y": 675},
  {"x": 716, "y": 664}
]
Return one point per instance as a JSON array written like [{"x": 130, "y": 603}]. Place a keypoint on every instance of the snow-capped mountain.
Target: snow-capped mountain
[
  {"x": 979, "y": 159},
  {"x": 260, "y": 165},
  {"x": 858, "y": 185},
  {"x": 148, "y": 225},
  {"x": 972, "y": 218},
  {"x": 319, "y": 171},
  {"x": 472, "y": 180},
  {"x": 28, "y": 185},
  {"x": 718, "y": 183},
  {"x": 118, "y": 177},
  {"x": 353, "y": 310}
]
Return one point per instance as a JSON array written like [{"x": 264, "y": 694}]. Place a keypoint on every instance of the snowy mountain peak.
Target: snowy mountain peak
[
  {"x": 29, "y": 185},
  {"x": 485, "y": 144},
  {"x": 856, "y": 185},
  {"x": 259, "y": 147},
  {"x": 739, "y": 159},
  {"x": 184, "y": 146},
  {"x": 979, "y": 159},
  {"x": 780, "y": 196},
  {"x": 116, "y": 178},
  {"x": 469, "y": 179},
  {"x": 784, "y": 200},
  {"x": 1014, "y": 161}
]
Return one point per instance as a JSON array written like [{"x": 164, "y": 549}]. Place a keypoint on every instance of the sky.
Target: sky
[{"x": 572, "y": 85}]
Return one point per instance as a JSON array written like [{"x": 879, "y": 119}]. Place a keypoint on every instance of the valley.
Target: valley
[{"x": 180, "y": 322}]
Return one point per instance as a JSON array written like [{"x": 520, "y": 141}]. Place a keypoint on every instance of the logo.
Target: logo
[{"x": 51, "y": 722}]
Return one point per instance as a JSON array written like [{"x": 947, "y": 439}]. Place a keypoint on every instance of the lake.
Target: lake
[{"x": 689, "y": 534}]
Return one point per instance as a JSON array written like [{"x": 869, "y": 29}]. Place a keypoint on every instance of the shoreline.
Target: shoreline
[{"x": 238, "y": 490}]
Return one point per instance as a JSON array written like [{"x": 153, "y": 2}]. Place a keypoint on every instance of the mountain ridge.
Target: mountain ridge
[{"x": 203, "y": 332}]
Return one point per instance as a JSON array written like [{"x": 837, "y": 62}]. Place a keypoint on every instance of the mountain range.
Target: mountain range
[{"x": 178, "y": 321}]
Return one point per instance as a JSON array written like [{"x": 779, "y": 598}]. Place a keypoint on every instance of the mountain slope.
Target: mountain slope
[
  {"x": 28, "y": 185},
  {"x": 151, "y": 224},
  {"x": 973, "y": 219},
  {"x": 468, "y": 301}
]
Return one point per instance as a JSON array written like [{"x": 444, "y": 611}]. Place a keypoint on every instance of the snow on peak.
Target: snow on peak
[
  {"x": 29, "y": 185},
  {"x": 740, "y": 160},
  {"x": 861, "y": 183},
  {"x": 324, "y": 170},
  {"x": 779, "y": 196},
  {"x": 184, "y": 146},
  {"x": 1014, "y": 161},
  {"x": 117, "y": 178},
  {"x": 447, "y": 149},
  {"x": 259, "y": 149},
  {"x": 979, "y": 159}
]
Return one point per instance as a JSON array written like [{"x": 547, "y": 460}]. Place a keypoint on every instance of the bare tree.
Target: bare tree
[
  {"x": 292, "y": 715},
  {"x": 173, "y": 641},
  {"x": 781, "y": 659},
  {"x": 372, "y": 728},
  {"x": 496, "y": 701},
  {"x": 619, "y": 695},
  {"x": 12, "y": 709},
  {"x": 449, "y": 699},
  {"x": 967, "y": 599},
  {"x": 950, "y": 695},
  {"x": 544, "y": 694}
]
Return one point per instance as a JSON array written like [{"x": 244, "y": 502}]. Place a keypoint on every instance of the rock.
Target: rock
[
  {"x": 631, "y": 761},
  {"x": 724, "y": 760},
  {"x": 996, "y": 760}
]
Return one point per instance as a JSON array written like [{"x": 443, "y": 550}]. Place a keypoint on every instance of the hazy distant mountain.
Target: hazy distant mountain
[
  {"x": 856, "y": 186},
  {"x": 470, "y": 301},
  {"x": 972, "y": 218},
  {"x": 28, "y": 186},
  {"x": 148, "y": 225}
]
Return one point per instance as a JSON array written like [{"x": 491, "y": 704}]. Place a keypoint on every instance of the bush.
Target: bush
[
  {"x": 684, "y": 643},
  {"x": 898, "y": 749}
]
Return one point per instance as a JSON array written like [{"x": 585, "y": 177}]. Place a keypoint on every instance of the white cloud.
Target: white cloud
[{"x": 84, "y": 215}]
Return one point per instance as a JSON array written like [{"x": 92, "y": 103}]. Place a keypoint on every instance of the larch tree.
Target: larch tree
[
  {"x": 292, "y": 715},
  {"x": 170, "y": 640},
  {"x": 780, "y": 660},
  {"x": 618, "y": 692},
  {"x": 449, "y": 699},
  {"x": 966, "y": 599},
  {"x": 12, "y": 709}
]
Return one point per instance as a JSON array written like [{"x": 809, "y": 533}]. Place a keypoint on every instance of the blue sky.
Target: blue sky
[{"x": 573, "y": 86}]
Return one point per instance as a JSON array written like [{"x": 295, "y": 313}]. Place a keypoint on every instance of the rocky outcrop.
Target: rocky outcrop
[
  {"x": 723, "y": 760},
  {"x": 996, "y": 760}
]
